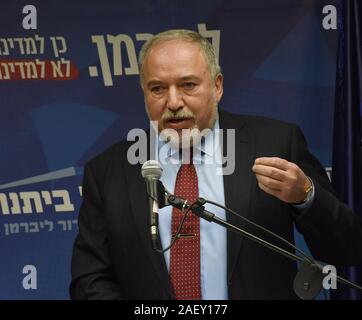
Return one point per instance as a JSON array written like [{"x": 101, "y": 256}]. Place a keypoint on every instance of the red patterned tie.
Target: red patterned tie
[{"x": 185, "y": 254}]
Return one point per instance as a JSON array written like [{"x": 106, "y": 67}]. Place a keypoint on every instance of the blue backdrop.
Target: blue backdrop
[{"x": 70, "y": 89}]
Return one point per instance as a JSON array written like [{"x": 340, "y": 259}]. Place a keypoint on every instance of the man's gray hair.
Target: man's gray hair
[{"x": 185, "y": 35}]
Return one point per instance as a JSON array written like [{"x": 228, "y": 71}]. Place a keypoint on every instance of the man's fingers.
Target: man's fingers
[
  {"x": 269, "y": 182},
  {"x": 267, "y": 189},
  {"x": 276, "y": 162},
  {"x": 271, "y": 172},
  {"x": 280, "y": 178}
]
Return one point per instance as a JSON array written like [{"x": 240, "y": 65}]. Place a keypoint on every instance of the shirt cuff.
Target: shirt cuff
[{"x": 308, "y": 202}]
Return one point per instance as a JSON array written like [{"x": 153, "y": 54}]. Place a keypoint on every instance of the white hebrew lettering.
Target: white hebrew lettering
[
  {"x": 4, "y": 204},
  {"x": 63, "y": 223},
  {"x": 103, "y": 58},
  {"x": 33, "y": 226},
  {"x": 21, "y": 44},
  {"x": 57, "y": 69},
  {"x": 213, "y": 34},
  {"x": 143, "y": 36},
  {"x": 21, "y": 68},
  {"x": 56, "y": 49},
  {"x": 49, "y": 224},
  {"x": 66, "y": 205},
  {"x": 46, "y": 197},
  {"x": 25, "y": 226},
  {"x": 15, "y": 208},
  {"x": 30, "y": 46},
  {"x": 14, "y": 227},
  {"x": 6, "y": 71},
  {"x": 27, "y": 197},
  {"x": 41, "y": 40},
  {"x": 31, "y": 70},
  {"x": 117, "y": 41},
  {"x": 5, "y": 50},
  {"x": 42, "y": 66}
]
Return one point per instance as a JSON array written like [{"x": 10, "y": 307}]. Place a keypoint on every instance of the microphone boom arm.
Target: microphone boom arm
[{"x": 308, "y": 281}]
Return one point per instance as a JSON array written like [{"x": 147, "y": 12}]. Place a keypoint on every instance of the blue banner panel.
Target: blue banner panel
[{"x": 70, "y": 88}]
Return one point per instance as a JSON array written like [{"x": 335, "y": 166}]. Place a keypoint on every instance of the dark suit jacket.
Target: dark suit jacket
[{"x": 112, "y": 255}]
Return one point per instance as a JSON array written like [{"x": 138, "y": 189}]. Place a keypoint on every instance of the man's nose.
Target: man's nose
[{"x": 174, "y": 99}]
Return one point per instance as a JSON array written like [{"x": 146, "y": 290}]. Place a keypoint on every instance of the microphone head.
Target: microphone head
[{"x": 151, "y": 169}]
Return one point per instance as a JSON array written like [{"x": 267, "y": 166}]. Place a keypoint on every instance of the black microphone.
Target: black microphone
[{"x": 151, "y": 172}]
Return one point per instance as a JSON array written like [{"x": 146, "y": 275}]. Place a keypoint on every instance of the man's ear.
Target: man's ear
[{"x": 219, "y": 86}]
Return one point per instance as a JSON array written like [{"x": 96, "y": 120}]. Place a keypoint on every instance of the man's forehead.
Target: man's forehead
[
  {"x": 173, "y": 48},
  {"x": 173, "y": 61}
]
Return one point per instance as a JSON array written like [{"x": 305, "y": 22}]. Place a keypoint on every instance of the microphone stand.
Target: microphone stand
[{"x": 308, "y": 281}]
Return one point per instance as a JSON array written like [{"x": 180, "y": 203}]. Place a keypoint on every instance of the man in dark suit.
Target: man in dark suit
[{"x": 276, "y": 183}]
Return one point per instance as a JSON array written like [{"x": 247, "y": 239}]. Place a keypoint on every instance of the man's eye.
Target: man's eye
[
  {"x": 189, "y": 85},
  {"x": 156, "y": 89}
]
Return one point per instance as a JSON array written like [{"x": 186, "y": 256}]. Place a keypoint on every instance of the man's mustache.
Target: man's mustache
[{"x": 167, "y": 116}]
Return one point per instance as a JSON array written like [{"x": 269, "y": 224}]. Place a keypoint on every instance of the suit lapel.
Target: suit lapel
[
  {"x": 237, "y": 186},
  {"x": 139, "y": 204}
]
